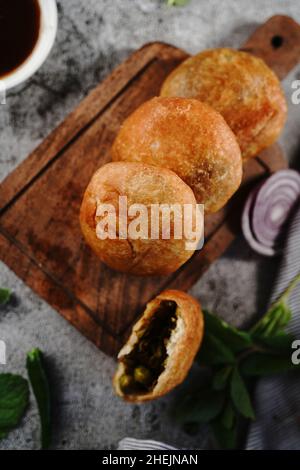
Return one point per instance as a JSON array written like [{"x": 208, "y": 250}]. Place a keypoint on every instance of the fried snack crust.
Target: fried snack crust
[
  {"x": 182, "y": 348},
  {"x": 141, "y": 184},
  {"x": 241, "y": 87},
  {"x": 189, "y": 138}
]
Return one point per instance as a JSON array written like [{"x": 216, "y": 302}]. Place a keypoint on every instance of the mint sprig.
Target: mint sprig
[
  {"x": 5, "y": 295},
  {"x": 232, "y": 359},
  {"x": 40, "y": 386},
  {"x": 277, "y": 317},
  {"x": 14, "y": 399},
  {"x": 240, "y": 396},
  {"x": 177, "y": 3}
]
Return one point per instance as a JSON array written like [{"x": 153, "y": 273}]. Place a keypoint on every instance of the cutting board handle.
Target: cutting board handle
[{"x": 277, "y": 42}]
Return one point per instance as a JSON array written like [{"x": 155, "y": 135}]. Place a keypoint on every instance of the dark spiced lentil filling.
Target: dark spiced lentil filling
[{"x": 146, "y": 362}]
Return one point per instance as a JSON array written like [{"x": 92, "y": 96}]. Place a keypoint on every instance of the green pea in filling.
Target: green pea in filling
[{"x": 146, "y": 362}]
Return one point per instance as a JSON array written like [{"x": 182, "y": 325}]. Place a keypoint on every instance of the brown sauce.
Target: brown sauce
[{"x": 19, "y": 32}]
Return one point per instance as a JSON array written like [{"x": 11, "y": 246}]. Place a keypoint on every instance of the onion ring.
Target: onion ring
[{"x": 268, "y": 209}]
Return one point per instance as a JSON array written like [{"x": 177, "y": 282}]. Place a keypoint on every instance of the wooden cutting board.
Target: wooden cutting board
[{"x": 40, "y": 238}]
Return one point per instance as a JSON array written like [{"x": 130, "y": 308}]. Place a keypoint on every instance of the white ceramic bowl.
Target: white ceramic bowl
[{"x": 47, "y": 34}]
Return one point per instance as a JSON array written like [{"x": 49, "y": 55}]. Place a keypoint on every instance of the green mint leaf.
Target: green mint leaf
[
  {"x": 226, "y": 438},
  {"x": 214, "y": 352},
  {"x": 235, "y": 339},
  {"x": 240, "y": 396},
  {"x": 40, "y": 386},
  {"x": 178, "y": 3},
  {"x": 281, "y": 317},
  {"x": 221, "y": 378},
  {"x": 200, "y": 407},
  {"x": 5, "y": 295},
  {"x": 14, "y": 399},
  {"x": 260, "y": 364},
  {"x": 228, "y": 416},
  {"x": 276, "y": 319},
  {"x": 3, "y": 434},
  {"x": 278, "y": 315},
  {"x": 280, "y": 343}
]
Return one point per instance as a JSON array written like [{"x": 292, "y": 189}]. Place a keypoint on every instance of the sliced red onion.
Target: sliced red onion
[
  {"x": 268, "y": 209},
  {"x": 247, "y": 229}
]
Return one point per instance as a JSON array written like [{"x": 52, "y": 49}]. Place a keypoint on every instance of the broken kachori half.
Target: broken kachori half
[{"x": 161, "y": 348}]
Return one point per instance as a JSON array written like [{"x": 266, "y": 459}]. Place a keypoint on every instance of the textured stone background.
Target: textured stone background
[{"x": 93, "y": 37}]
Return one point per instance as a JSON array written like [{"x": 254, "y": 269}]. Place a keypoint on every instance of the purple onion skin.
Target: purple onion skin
[
  {"x": 268, "y": 209},
  {"x": 247, "y": 229}
]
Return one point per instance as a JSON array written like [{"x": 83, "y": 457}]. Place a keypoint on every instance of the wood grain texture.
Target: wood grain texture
[
  {"x": 277, "y": 42},
  {"x": 40, "y": 238}
]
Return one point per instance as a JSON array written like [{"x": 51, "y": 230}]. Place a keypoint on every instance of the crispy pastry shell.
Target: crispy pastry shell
[
  {"x": 189, "y": 138},
  {"x": 182, "y": 347},
  {"x": 241, "y": 87},
  {"x": 141, "y": 184}
]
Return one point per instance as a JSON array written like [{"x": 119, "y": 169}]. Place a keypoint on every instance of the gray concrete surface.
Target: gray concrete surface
[{"x": 93, "y": 37}]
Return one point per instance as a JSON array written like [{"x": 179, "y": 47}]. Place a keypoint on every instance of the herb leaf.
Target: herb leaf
[
  {"x": 276, "y": 319},
  {"x": 278, "y": 315},
  {"x": 260, "y": 364},
  {"x": 279, "y": 343},
  {"x": 228, "y": 416},
  {"x": 14, "y": 399},
  {"x": 200, "y": 407},
  {"x": 238, "y": 340},
  {"x": 226, "y": 438},
  {"x": 240, "y": 396},
  {"x": 213, "y": 352},
  {"x": 221, "y": 377},
  {"x": 5, "y": 295},
  {"x": 40, "y": 386},
  {"x": 178, "y": 3},
  {"x": 233, "y": 356}
]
